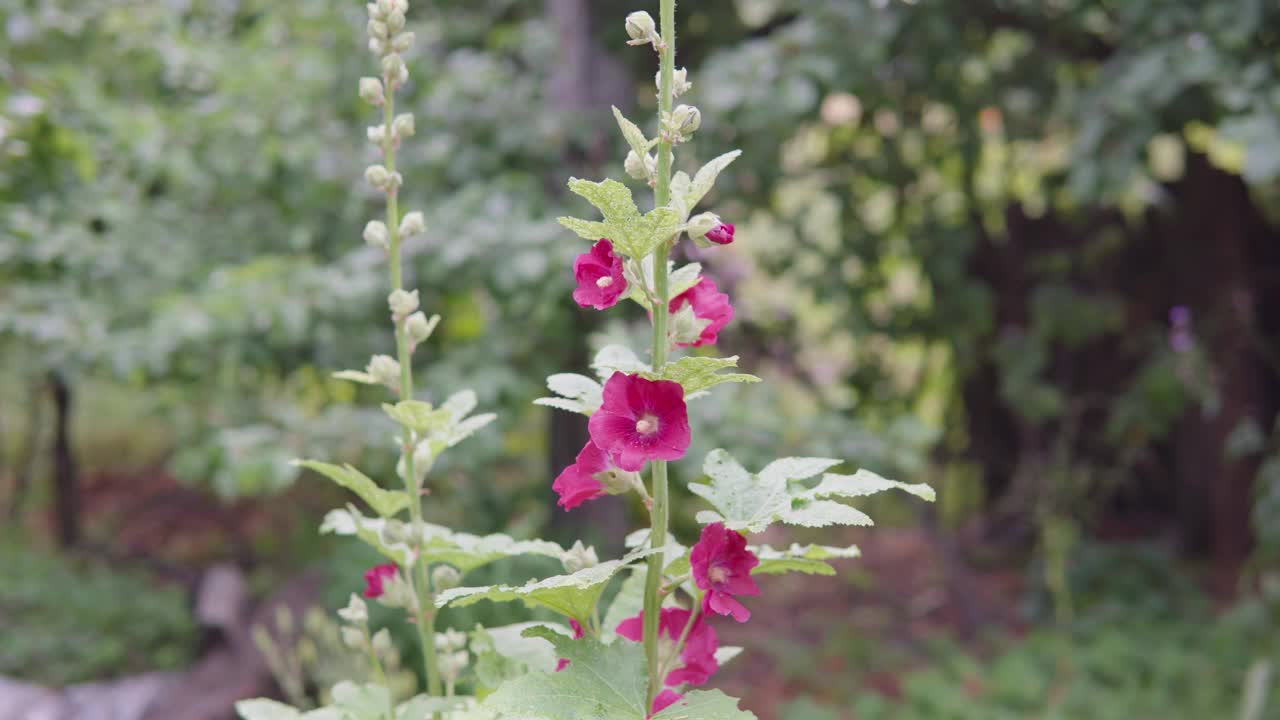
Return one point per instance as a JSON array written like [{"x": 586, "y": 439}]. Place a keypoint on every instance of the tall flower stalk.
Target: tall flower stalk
[{"x": 660, "y": 512}]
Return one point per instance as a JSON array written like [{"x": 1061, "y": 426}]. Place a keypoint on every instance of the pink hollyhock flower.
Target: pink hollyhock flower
[
  {"x": 665, "y": 699},
  {"x": 699, "y": 653},
  {"x": 722, "y": 566},
  {"x": 374, "y": 578},
  {"x": 599, "y": 275},
  {"x": 721, "y": 234},
  {"x": 709, "y": 305},
  {"x": 578, "y": 483},
  {"x": 641, "y": 420},
  {"x": 577, "y": 634}
]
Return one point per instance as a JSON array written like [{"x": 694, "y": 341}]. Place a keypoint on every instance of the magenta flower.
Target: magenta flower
[
  {"x": 665, "y": 699},
  {"x": 577, "y": 483},
  {"x": 721, "y": 234},
  {"x": 709, "y": 305},
  {"x": 599, "y": 275},
  {"x": 641, "y": 420},
  {"x": 698, "y": 654},
  {"x": 374, "y": 578},
  {"x": 722, "y": 566}
]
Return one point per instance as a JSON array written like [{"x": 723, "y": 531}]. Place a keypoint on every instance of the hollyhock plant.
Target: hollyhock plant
[
  {"x": 601, "y": 282},
  {"x": 721, "y": 234},
  {"x": 641, "y": 420},
  {"x": 665, "y": 699},
  {"x": 722, "y": 567},
  {"x": 711, "y": 312},
  {"x": 578, "y": 483},
  {"x": 698, "y": 654},
  {"x": 376, "y": 576}
]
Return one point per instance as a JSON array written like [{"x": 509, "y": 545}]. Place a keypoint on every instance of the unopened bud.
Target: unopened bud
[
  {"x": 376, "y": 133},
  {"x": 395, "y": 21},
  {"x": 686, "y": 119},
  {"x": 701, "y": 224},
  {"x": 392, "y": 66},
  {"x": 384, "y": 369},
  {"x": 579, "y": 557},
  {"x": 382, "y": 642},
  {"x": 377, "y": 176},
  {"x": 412, "y": 224},
  {"x": 641, "y": 28},
  {"x": 375, "y": 234},
  {"x": 377, "y": 46},
  {"x": 353, "y": 637},
  {"x": 402, "y": 42},
  {"x": 450, "y": 640},
  {"x": 640, "y": 168},
  {"x": 402, "y": 302},
  {"x": 371, "y": 91},
  {"x": 376, "y": 29},
  {"x": 355, "y": 611},
  {"x": 444, "y": 577},
  {"x": 721, "y": 234},
  {"x": 385, "y": 7},
  {"x": 403, "y": 126},
  {"x": 419, "y": 328},
  {"x": 679, "y": 81}
]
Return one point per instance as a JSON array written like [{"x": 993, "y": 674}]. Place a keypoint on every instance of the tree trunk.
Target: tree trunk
[
  {"x": 25, "y": 464},
  {"x": 66, "y": 495}
]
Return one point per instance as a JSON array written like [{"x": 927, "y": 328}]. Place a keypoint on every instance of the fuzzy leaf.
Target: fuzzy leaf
[
  {"x": 465, "y": 429},
  {"x": 460, "y": 404},
  {"x": 386, "y": 503},
  {"x": 418, "y": 415},
  {"x": 264, "y": 709},
  {"x": 440, "y": 544},
  {"x": 601, "y": 682},
  {"x": 362, "y": 702},
  {"x": 682, "y": 279},
  {"x": 617, "y": 358},
  {"x": 753, "y": 502},
  {"x": 632, "y": 133},
  {"x": 574, "y": 595},
  {"x": 579, "y": 393},
  {"x": 357, "y": 376},
  {"x": 808, "y": 559},
  {"x": 705, "y": 705},
  {"x": 697, "y": 373},
  {"x": 705, "y": 179},
  {"x": 632, "y": 234},
  {"x": 680, "y": 186},
  {"x": 420, "y": 707}
]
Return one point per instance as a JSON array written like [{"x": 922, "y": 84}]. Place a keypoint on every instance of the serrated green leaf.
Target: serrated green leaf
[
  {"x": 264, "y": 709},
  {"x": 617, "y": 358},
  {"x": 574, "y": 595},
  {"x": 632, "y": 134},
  {"x": 680, "y": 185},
  {"x": 810, "y": 559},
  {"x": 421, "y": 707},
  {"x": 632, "y": 234},
  {"x": 753, "y": 502},
  {"x": 705, "y": 178},
  {"x": 601, "y": 682},
  {"x": 386, "y": 503},
  {"x": 465, "y": 429},
  {"x": 705, "y": 705},
  {"x": 460, "y": 404},
  {"x": 362, "y": 702},
  {"x": 418, "y": 415},
  {"x": 696, "y": 373},
  {"x": 439, "y": 544}
]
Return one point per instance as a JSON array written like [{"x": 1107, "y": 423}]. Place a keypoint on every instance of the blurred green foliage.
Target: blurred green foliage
[{"x": 69, "y": 620}]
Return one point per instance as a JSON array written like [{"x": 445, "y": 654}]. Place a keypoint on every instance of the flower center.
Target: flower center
[
  {"x": 604, "y": 282},
  {"x": 718, "y": 574},
  {"x": 647, "y": 425}
]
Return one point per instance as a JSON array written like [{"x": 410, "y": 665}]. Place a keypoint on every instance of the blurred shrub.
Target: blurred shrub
[{"x": 68, "y": 621}]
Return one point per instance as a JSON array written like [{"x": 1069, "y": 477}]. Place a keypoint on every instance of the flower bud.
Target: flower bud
[
  {"x": 385, "y": 7},
  {"x": 686, "y": 119},
  {"x": 375, "y": 234},
  {"x": 679, "y": 81},
  {"x": 579, "y": 557},
  {"x": 641, "y": 29},
  {"x": 403, "y": 126},
  {"x": 450, "y": 639},
  {"x": 377, "y": 46},
  {"x": 402, "y": 303},
  {"x": 376, "y": 29},
  {"x": 395, "y": 21},
  {"x": 702, "y": 223},
  {"x": 392, "y": 67},
  {"x": 371, "y": 91},
  {"x": 402, "y": 42},
  {"x": 355, "y": 611},
  {"x": 419, "y": 328},
  {"x": 382, "y": 642},
  {"x": 445, "y": 577},
  {"x": 377, "y": 176},
  {"x": 640, "y": 169},
  {"x": 353, "y": 637},
  {"x": 721, "y": 234},
  {"x": 376, "y": 134},
  {"x": 384, "y": 369},
  {"x": 412, "y": 224}
]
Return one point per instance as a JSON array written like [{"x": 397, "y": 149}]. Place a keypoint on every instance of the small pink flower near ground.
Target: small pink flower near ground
[
  {"x": 709, "y": 305},
  {"x": 578, "y": 483},
  {"x": 641, "y": 420},
  {"x": 374, "y": 578},
  {"x": 665, "y": 699},
  {"x": 721, "y": 234},
  {"x": 699, "y": 653},
  {"x": 601, "y": 282},
  {"x": 722, "y": 566}
]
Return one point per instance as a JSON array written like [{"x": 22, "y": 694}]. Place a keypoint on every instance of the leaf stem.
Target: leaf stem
[
  {"x": 659, "y": 512},
  {"x": 419, "y": 579}
]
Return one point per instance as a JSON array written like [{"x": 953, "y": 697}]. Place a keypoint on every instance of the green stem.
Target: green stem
[
  {"x": 660, "y": 510},
  {"x": 418, "y": 576}
]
